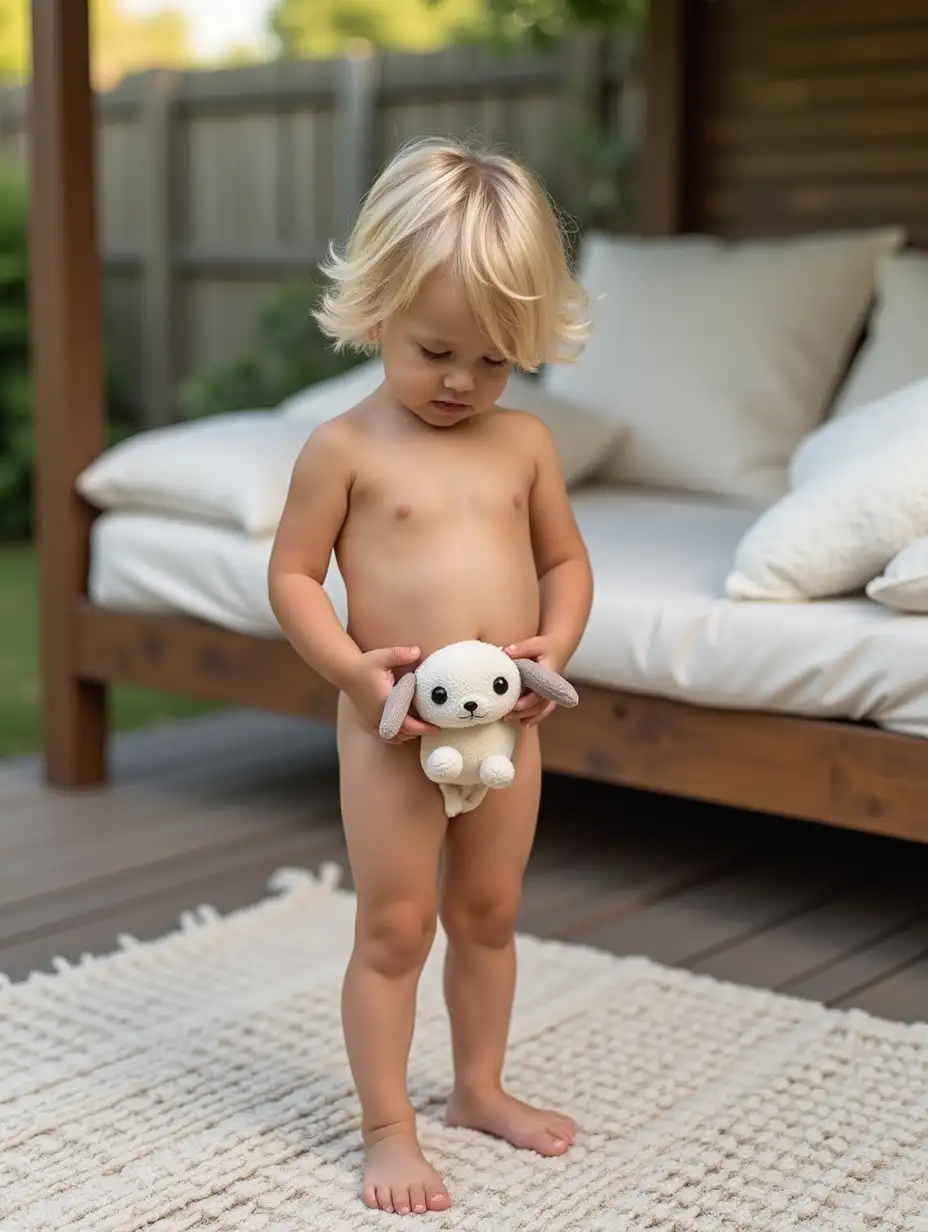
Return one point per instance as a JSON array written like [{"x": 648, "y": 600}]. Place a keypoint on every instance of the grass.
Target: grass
[{"x": 130, "y": 709}]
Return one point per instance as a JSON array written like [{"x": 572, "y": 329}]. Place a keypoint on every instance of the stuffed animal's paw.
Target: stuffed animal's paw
[
  {"x": 444, "y": 764},
  {"x": 497, "y": 771}
]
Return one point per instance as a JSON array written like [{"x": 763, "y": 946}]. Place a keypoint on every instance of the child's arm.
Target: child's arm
[
  {"x": 564, "y": 572},
  {"x": 565, "y": 576},
  {"x": 315, "y": 510}
]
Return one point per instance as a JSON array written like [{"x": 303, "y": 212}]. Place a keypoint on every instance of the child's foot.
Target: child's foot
[
  {"x": 499, "y": 1114},
  {"x": 397, "y": 1177}
]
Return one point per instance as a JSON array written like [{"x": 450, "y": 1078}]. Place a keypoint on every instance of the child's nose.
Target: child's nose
[{"x": 459, "y": 381}]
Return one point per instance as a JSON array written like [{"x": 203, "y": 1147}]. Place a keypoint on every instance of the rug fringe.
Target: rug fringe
[
  {"x": 285, "y": 881},
  {"x": 289, "y": 880}
]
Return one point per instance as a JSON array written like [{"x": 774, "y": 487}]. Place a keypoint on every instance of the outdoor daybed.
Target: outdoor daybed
[{"x": 744, "y": 439}]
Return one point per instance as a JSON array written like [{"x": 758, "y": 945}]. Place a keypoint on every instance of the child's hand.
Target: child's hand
[
  {"x": 530, "y": 708},
  {"x": 372, "y": 680}
]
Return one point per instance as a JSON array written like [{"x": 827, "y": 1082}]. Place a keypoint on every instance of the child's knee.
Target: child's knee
[
  {"x": 488, "y": 920},
  {"x": 395, "y": 940}
]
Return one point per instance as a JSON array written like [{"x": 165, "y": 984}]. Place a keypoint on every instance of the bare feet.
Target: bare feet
[
  {"x": 397, "y": 1177},
  {"x": 499, "y": 1114}
]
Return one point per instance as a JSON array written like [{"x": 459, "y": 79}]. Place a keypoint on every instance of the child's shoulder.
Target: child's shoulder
[
  {"x": 330, "y": 447},
  {"x": 520, "y": 427}
]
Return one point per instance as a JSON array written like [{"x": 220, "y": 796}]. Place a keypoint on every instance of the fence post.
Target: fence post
[
  {"x": 158, "y": 330},
  {"x": 355, "y": 137}
]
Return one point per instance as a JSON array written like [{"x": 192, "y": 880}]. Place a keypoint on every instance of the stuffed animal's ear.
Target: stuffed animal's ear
[
  {"x": 396, "y": 707},
  {"x": 545, "y": 683}
]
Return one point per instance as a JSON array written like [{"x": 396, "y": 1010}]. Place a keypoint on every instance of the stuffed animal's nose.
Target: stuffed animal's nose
[{"x": 471, "y": 706}]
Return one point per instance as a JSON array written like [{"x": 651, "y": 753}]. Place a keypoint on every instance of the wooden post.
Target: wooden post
[
  {"x": 356, "y": 113},
  {"x": 664, "y": 163},
  {"x": 158, "y": 324},
  {"x": 66, "y": 344}
]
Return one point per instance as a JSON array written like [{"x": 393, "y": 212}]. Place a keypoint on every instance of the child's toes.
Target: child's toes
[
  {"x": 551, "y": 1142},
  {"x": 369, "y": 1193},
  {"x": 417, "y": 1199},
  {"x": 401, "y": 1201},
  {"x": 385, "y": 1197},
  {"x": 436, "y": 1198}
]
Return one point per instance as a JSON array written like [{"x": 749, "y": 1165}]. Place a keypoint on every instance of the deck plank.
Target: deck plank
[
  {"x": 205, "y": 812},
  {"x": 149, "y": 918},
  {"x": 740, "y": 902},
  {"x": 795, "y": 952},
  {"x": 903, "y": 995}
]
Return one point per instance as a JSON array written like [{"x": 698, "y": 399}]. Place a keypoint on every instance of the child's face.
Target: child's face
[{"x": 436, "y": 361}]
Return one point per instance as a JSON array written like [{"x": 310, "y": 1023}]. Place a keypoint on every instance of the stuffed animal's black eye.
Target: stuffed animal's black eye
[
  {"x": 500, "y": 685},
  {"x": 439, "y": 695}
]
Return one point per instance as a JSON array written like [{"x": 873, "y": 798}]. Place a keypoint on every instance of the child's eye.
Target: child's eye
[
  {"x": 436, "y": 355},
  {"x": 495, "y": 363}
]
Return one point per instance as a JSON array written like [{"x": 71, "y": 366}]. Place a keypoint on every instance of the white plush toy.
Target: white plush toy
[{"x": 467, "y": 689}]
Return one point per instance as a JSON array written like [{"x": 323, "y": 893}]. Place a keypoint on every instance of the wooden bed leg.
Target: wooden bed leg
[
  {"x": 74, "y": 737},
  {"x": 66, "y": 344}
]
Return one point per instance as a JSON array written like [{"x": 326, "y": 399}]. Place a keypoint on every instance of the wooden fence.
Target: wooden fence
[{"x": 214, "y": 185}]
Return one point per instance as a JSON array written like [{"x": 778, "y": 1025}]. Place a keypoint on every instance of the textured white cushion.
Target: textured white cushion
[
  {"x": 904, "y": 582},
  {"x": 835, "y": 533},
  {"x": 233, "y": 470},
  {"x": 858, "y": 432},
  {"x": 894, "y": 353},
  {"x": 719, "y": 356},
  {"x": 584, "y": 438},
  {"x": 659, "y": 625}
]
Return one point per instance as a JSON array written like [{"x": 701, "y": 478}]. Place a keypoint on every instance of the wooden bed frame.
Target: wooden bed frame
[{"x": 735, "y": 88}]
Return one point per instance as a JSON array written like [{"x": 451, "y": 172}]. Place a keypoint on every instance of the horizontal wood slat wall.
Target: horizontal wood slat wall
[{"x": 809, "y": 115}]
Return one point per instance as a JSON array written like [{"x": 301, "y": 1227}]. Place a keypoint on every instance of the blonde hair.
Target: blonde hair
[{"x": 442, "y": 204}]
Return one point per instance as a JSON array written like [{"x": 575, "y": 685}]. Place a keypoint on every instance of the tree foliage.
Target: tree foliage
[
  {"x": 122, "y": 42},
  {"x": 544, "y": 21},
  {"x": 323, "y": 27}
]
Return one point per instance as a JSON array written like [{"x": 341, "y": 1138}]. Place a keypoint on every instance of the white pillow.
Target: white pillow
[
  {"x": 232, "y": 469},
  {"x": 904, "y": 583},
  {"x": 721, "y": 356},
  {"x": 326, "y": 399},
  {"x": 837, "y": 532},
  {"x": 894, "y": 353},
  {"x": 858, "y": 432},
  {"x": 584, "y": 438}
]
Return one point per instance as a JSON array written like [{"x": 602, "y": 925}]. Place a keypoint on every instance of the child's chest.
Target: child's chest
[{"x": 417, "y": 486}]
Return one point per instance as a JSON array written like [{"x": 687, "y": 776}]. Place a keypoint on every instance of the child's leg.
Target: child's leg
[
  {"x": 487, "y": 853},
  {"x": 395, "y": 828}
]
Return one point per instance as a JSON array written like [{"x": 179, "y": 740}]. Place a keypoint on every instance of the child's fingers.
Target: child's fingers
[
  {"x": 528, "y": 649},
  {"x": 526, "y": 702},
  {"x": 527, "y": 706},
  {"x": 415, "y": 727}
]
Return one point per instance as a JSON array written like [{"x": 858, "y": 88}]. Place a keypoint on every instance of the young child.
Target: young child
[{"x": 449, "y": 520}]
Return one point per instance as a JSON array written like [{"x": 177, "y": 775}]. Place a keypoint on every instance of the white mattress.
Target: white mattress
[{"x": 659, "y": 624}]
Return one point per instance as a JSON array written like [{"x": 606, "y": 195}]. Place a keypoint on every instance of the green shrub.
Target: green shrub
[
  {"x": 288, "y": 353},
  {"x": 15, "y": 384}
]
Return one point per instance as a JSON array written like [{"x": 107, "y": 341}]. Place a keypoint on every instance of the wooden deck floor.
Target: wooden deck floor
[{"x": 205, "y": 813}]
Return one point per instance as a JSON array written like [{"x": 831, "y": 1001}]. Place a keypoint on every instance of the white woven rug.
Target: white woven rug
[{"x": 200, "y": 1082}]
